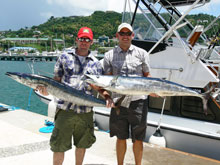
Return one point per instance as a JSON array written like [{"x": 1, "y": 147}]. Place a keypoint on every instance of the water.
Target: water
[{"x": 15, "y": 94}]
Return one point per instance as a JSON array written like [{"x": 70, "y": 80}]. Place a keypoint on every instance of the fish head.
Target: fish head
[
  {"x": 23, "y": 78},
  {"x": 99, "y": 80},
  {"x": 15, "y": 76}
]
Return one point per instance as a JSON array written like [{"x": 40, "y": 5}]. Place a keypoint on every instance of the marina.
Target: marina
[
  {"x": 183, "y": 124},
  {"x": 179, "y": 53}
]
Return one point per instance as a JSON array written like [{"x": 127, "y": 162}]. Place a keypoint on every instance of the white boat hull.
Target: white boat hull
[{"x": 188, "y": 135}]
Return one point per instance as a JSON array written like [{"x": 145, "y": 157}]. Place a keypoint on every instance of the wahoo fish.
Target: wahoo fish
[
  {"x": 57, "y": 89},
  {"x": 144, "y": 86}
]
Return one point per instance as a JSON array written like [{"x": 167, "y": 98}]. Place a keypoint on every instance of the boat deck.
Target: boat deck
[{"x": 22, "y": 143}]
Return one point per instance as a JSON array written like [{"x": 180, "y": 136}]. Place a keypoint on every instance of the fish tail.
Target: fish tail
[
  {"x": 205, "y": 108},
  {"x": 118, "y": 104},
  {"x": 205, "y": 97}
]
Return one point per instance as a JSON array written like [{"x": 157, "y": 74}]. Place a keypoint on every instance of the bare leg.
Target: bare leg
[
  {"x": 138, "y": 151},
  {"x": 121, "y": 147},
  {"x": 79, "y": 154},
  {"x": 58, "y": 158}
]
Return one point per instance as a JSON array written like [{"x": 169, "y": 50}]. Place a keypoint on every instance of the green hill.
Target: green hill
[{"x": 102, "y": 23}]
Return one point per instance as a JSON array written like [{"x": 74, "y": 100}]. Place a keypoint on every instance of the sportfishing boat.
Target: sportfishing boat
[{"x": 181, "y": 53}]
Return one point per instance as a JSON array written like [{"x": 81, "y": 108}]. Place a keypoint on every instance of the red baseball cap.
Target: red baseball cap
[{"x": 85, "y": 32}]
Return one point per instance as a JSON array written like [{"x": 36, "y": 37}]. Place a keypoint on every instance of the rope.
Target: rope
[
  {"x": 161, "y": 115},
  {"x": 41, "y": 71},
  {"x": 31, "y": 67},
  {"x": 29, "y": 99}
]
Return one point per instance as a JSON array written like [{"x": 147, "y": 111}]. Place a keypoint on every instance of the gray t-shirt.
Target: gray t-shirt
[{"x": 133, "y": 62}]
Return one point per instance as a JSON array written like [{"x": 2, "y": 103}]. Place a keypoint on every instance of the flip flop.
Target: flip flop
[
  {"x": 48, "y": 123},
  {"x": 47, "y": 129}
]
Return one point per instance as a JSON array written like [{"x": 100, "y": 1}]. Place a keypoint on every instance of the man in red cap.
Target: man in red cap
[
  {"x": 72, "y": 120},
  {"x": 85, "y": 32}
]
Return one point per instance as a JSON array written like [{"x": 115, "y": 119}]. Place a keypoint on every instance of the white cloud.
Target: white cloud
[
  {"x": 85, "y": 7},
  {"x": 208, "y": 8},
  {"x": 216, "y": 1},
  {"x": 116, "y": 5}
]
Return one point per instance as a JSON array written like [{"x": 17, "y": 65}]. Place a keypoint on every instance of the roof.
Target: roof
[
  {"x": 22, "y": 48},
  {"x": 24, "y": 39},
  {"x": 30, "y": 39}
]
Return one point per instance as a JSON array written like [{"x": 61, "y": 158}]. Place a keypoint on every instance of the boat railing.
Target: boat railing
[
  {"x": 209, "y": 54},
  {"x": 204, "y": 55}
]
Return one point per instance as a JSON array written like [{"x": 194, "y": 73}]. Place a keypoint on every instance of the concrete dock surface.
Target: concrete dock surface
[{"x": 22, "y": 144}]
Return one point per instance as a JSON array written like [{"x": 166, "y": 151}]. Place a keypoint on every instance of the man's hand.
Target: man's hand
[
  {"x": 109, "y": 103},
  {"x": 42, "y": 90},
  {"x": 105, "y": 95}
]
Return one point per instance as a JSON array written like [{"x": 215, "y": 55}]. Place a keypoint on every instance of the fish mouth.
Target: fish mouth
[
  {"x": 13, "y": 75},
  {"x": 91, "y": 79},
  {"x": 91, "y": 76},
  {"x": 10, "y": 74}
]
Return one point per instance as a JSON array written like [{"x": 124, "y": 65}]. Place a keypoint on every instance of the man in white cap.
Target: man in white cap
[{"x": 128, "y": 60}]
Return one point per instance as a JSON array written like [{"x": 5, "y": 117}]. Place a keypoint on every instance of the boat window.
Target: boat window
[
  {"x": 157, "y": 103},
  {"x": 193, "y": 107},
  {"x": 146, "y": 26}
]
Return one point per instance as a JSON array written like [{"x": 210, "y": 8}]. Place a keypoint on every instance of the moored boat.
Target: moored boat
[{"x": 177, "y": 54}]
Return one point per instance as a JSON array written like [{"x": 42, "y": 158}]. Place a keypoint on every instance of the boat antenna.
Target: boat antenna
[{"x": 211, "y": 24}]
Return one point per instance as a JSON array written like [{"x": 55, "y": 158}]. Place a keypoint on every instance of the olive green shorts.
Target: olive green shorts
[{"x": 70, "y": 125}]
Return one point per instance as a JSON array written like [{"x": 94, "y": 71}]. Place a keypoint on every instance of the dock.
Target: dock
[
  {"x": 21, "y": 143},
  {"x": 28, "y": 58}
]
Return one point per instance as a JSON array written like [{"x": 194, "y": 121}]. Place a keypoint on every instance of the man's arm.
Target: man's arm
[
  {"x": 57, "y": 78},
  {"x": 147, "y": 74}
]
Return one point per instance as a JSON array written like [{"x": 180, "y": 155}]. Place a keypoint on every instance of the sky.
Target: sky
[{"x": 16, "y": 14}]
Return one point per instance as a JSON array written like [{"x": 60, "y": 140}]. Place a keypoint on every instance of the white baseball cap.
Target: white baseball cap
[{"x": 125, "y": 25}]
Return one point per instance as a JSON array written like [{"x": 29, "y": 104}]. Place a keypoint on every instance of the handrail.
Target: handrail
[{"x": 177, "y": 69}]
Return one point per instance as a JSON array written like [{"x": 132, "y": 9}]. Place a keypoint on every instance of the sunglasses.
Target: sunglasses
[
  {"x": 125, "y": 33},
  {"x": 84, "y": 39}
]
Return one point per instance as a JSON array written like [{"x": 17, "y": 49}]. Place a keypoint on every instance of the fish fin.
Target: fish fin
[
  {"x": 205, "y": 108},
  {"x": 113, "y": 81}
]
